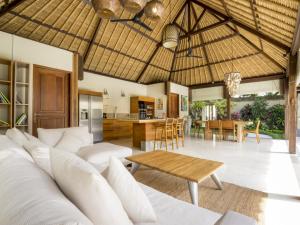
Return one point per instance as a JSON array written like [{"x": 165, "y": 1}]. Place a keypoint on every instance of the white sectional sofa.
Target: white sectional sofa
[
  {"x": 96, "y": 154},
  {"x": 29, "y": 196}
]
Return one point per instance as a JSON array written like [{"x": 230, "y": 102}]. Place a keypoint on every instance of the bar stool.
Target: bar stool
[
  {"x": 159, "y": 127},
  {"x": 167, "y": 133},
  {"x": 175, "y": 132},
  {"x": 180, "y": 131}
]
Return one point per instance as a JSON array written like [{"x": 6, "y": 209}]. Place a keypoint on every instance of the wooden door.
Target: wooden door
[
  {"x": 50, "y": 98},
  {"x": 173, "y": 105}
]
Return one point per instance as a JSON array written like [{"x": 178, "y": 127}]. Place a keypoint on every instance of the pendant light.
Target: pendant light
[
  {"x": 170, "y": 34},
  {"x": 233, "y": 79},
  {"x": 154, "y": 10},
  {"x": 106, "y": 9},
  {"x": 134, "y": 6}
]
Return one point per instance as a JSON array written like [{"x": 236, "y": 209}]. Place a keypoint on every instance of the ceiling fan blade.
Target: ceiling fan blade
[
  {"x": 143, "y": 25},
  {"x": 139, "y": 14},
  {"x": 121, "y": 20}
]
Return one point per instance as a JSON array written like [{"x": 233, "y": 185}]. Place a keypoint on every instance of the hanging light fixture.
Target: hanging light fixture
[
  {"x": 154, "y": 10},
  {"x": 106, "y": 8},
  {"x": 134, "y": 6},
  {"x": 233, "y": 79},
  {"x": 170, "y": 34}
]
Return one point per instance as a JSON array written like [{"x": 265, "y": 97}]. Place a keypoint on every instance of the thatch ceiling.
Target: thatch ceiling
[{"x": 260, "y": 31}]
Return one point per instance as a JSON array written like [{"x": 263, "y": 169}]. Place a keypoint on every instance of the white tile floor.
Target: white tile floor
[{"x": 264, "y": 167}]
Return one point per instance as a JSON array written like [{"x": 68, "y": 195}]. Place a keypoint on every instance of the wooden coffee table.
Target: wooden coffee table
[{"x": 192, "y": 169}]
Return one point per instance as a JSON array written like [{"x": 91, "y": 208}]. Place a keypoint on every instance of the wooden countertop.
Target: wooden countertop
[{"x": 138, "y": 121}]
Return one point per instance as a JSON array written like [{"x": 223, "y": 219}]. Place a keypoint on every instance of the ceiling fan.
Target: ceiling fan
[
  {"x": 136, "y": 19},
  {"x": 189, "y": 54}
]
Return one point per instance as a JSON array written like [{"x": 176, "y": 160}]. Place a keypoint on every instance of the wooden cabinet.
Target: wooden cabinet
[
  {"x": 144, "y": 106},
  {"x": 115, "y": 129}
]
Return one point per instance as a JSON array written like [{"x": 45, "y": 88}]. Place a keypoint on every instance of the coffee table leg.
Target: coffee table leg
[
  {"x": 134, "y": 167},
  {"x": 193, "y": 188},
  {"x": 217, "y": 181}
]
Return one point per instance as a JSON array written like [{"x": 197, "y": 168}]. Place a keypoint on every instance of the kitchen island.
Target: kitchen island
[{"x": 141, "y": 131}]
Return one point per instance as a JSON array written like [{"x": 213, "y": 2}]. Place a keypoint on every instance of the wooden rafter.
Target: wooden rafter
[
  {"x": 209, "y": 42},
  {"x": 158, "y": 46},
  {"x": 94, "y": 35},
  {"x": 217, "y": 62},
  {"x": 200, "y": 30},
  {"x": 180, "y": 27},
  {"x": 204, "y": 48},
  {"x": 296, "y": 38},
  {"x": 255, "y": 21},
  {"x": 228, "y": 12},
  {"x": 275, "y": 76},
  {"x": 198, "y": 19},
  {"x": 148, "y": 63},
  {"x": 245, "y": 27},
  {"x": 10, "y": 6}
]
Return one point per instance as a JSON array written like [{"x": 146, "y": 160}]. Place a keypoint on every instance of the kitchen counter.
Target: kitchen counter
[{"x": 138, "y": 121}]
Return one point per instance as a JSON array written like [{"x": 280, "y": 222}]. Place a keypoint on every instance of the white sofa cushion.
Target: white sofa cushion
[
  {"x": 33, "y": 140},
  {"x": 7, "y": 144},
  {"x": 87, "y": 189},
  {"x": 133, "y": 199},
  {"x": 41, "y": 156},
  {"x": 16, "y": 136},
  {"x": 52, "y": 136},
  {"x": 171, "y": 211},
  {"x": 29, "y": 197},
  {"x": 234, "y": 218},
  {"x": 69, "y": 143},
  {"x": 99, "y": 154}
]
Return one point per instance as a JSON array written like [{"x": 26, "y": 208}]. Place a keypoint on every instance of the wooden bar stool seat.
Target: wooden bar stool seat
[
  {"x": 159, "y": 127},
  {"x": 167, "y": 133},
  {"x": 179, "y": 131}
]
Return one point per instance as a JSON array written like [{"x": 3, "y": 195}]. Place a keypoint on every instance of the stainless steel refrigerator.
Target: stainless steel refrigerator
[{"x": 91, "y": 115}]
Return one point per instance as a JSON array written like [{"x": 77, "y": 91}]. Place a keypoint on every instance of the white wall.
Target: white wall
[
  {"x": 181, "y": 90},
  {"x": 212, "y": 93},
  {"x": 24, "y": 50},
  {"x": 158, "y": 92},
  {"x": 114, "y": 87}
]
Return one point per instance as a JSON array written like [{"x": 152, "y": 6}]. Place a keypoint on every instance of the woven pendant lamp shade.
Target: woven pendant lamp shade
[
  {"x": 134, "y": 6},
  {"x": 106, "y": 8},
  {"x": 170, "y": 36},
  {"x": 154, "y": 10}
]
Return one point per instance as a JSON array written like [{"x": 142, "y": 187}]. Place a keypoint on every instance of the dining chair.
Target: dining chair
[
  {"x": 228, "y": 127},
  {"x": 214, "y": 127},
  {"x": 256, "y": 132},
  {"x": 199, "y": 127}
]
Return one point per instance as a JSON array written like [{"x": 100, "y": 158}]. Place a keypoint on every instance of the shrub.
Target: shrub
[
  {"x": 275, "y": 117},
  {"x": 246, "y": 113},
  {"x": 235, "y": 116},
  {"x": 259, "y": 109}
]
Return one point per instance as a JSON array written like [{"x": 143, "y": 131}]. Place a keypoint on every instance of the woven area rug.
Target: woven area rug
[{"x": 232, "y": 197}]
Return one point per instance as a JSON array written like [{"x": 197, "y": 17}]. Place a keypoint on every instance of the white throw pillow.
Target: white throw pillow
[
  {"x": 16, "y": 136},
  {"x": 41, "y": 156},
  {"x": 69, "y": 143},
  {"x": 33, "y": 140},
  {"x": 50, "y": 136},
  {"x": 134, "y": 200},
  {"x": 87, "y": 189}
]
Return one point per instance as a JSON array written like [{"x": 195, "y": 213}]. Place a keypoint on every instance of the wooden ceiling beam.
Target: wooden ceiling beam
[
  {"x": 180, "y": 11},
  {"x": 200, "y": 30},
  {"x": 198, "y": 20},
  {"x": 10, "y": 6},
  {"x": 275, "y": 76},
  {"x": 255, "y": 21},
  {"x": 210, "y": 42},
  {"x": 180, "y": 27},
  {"x": 245, "y": 27},
  {"x": 148, "y": 63},
  {"x": 296, "y": 37},
  {"x": 94, "y": 35},
  {"x": 221, "y": 61},
  {"x": 204, "y": 50}
]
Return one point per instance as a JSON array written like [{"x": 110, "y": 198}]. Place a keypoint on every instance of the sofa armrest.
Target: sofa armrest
[{"x": 234, "y": 218}]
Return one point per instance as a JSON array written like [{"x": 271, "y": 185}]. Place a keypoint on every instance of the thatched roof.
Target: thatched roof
[{"x": 260, "y": 31}]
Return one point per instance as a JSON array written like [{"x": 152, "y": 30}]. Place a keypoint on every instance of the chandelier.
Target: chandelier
[{"x": 232, "y": 81}]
